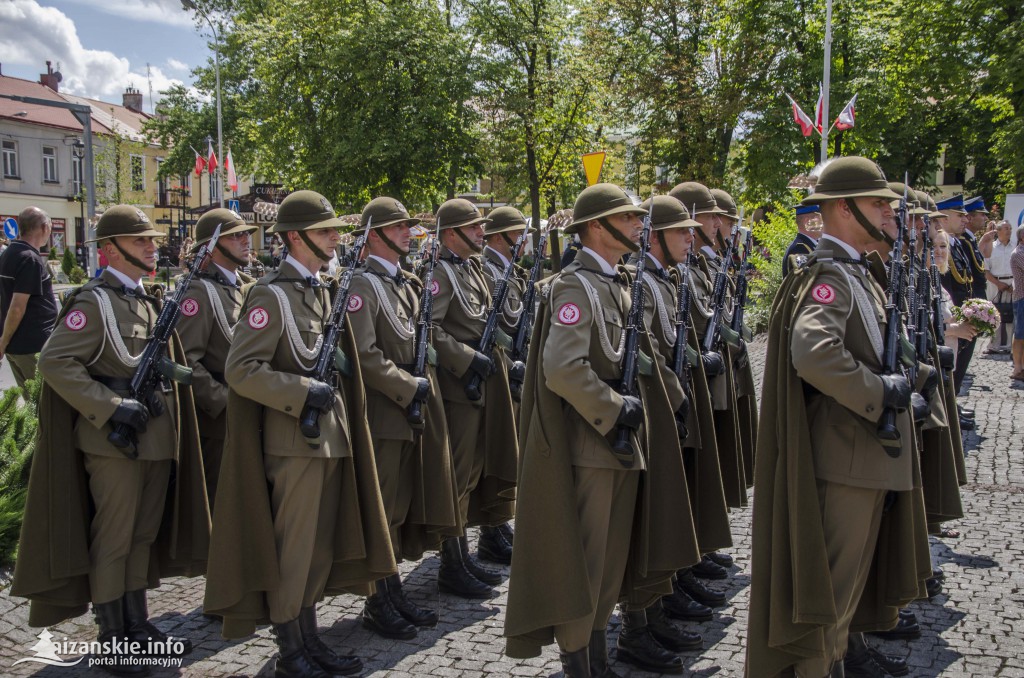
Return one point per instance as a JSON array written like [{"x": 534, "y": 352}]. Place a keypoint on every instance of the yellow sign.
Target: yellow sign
[{"x": 592, "y": 164}]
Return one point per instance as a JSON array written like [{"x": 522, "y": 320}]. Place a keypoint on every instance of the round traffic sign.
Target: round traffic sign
[{"x": 11, "y": 228}]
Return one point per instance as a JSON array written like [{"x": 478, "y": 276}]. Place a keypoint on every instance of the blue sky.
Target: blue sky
[{"x": 102, "y": 46}]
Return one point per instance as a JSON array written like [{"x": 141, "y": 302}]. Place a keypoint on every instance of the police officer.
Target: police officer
[
  {"x": 959, "y": 279},
  {"x": 87, "y": 365},
  {"x": 808, "y": 224},
  {"x": 413, "y": 466},
  {"x": 461, "y": 303},
  {"x": 299, "y": 506},
  {"x": 208, "y": 318},
  {"x": 828, "y": 393}
]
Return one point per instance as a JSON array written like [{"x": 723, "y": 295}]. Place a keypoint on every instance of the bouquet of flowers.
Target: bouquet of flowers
[{"x": 980, "y": 313}]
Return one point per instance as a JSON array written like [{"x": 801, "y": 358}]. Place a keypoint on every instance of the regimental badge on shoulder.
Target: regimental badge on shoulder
[
  {"x": 823, "y": 293},
  {"x": 435, "y": 288},
  {"x": 76, "y": 320},
  {"x": 801, "y": 260},
  {"x": 569, "y": 314},
  {"x": 355, "y": 302},
  {"x": 258, "y": 318},
  {"x": 189, "y": 307}
]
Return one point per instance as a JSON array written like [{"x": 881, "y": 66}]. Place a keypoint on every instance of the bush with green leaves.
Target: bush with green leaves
[
  {"x": 773, "y": 234},
  {"x": 19, "y": 422}
]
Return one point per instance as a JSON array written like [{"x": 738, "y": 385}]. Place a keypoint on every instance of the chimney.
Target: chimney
[
  {"x": 132, "y": 99},
  {"x": 50, "y": 78}
]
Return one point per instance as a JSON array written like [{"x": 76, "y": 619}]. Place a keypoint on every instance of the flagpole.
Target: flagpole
[{"x": 828, "y": 67}]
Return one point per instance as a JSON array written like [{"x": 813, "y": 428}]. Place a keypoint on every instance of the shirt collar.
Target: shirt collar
[
  {"x": 299, "y": 268},
  {"x": 854, "y": 254},
  {"x": 605, "y": 266},
  {"x": 654, "y": 260},
  {"x": 504, "y": 261},
  {"x": 388, "y": 266},
  {"x": 125, "y": 280},
  {"x": 230, "y": 276},
  {"x": 712, "y": 254}
]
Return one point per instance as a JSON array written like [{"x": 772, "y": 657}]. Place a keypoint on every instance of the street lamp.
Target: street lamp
[
  {"x": 190, "y": 5},
  {"x": 78, "y": 149}
]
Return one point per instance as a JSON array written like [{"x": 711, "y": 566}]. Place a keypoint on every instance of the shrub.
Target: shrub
[
  {"x": 18, "y": 425},
  {"x": 773, "y": 234},
  {"x": 67, "y": 262}
]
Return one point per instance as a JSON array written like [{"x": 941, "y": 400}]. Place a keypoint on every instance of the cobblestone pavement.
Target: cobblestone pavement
[{"x": 974, "y": 628}]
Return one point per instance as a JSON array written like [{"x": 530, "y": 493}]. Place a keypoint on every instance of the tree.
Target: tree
[{"x": 18, "y": 426}]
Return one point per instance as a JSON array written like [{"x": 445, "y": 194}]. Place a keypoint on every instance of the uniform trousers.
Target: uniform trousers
[
  {"x": 964, "y": 353},
  {"x": 305, "y": 496},
  {"x": 605, "y": 501},
  {"x": 465, "y": 435},
  {"x": 213, "y": 452},
  {"x": 129, "y": 497},
  {"x": 850, "y": 518},
  {"x": 23, "y": 366},
  {"x": 395, "y": 475}
]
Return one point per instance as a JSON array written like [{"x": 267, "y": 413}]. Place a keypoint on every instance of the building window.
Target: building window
[
  {"x": 952, "y": 176},
  {"x": 138, "y": 168},
  {"x": 50, "y": 164},
  {"x": 162, "y": 197},
  {"x": 76, "y": 175},
  {"x": 214, "y": 188},
  {"x": 10, "y": 151}
]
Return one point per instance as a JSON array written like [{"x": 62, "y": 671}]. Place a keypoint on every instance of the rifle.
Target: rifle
[
  {"x": 419, "y": 363},
  {"x": 309, "y": 418},
  {"x": 887, "y": 430},
  {"x": 914, "y": 329},
  {"x": 622, "y": 448},
  {"x": 718, "y": 296},
  {"x": 742, "y": 285},
  {"x": 491, "y": 325},
  {"x": 680, "y": 362},
  {"x": 521, "y": 342},
  {"x": 154, "y": 365}
]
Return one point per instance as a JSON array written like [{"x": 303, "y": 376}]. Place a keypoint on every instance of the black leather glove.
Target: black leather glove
[
  {"x": 632, "y": 413},
  {"x": 482, "y": 365},
  {"x": 131, "y": 413},
  {"x": 930, "y": 384},
  {"x": 896, "y": 392},
  {"x": 518, "y": 371},
  {"x": 713, "y": 364},
  {"x": 921, "y": 407},
  {"x": 739, "y": 361},
  {"x": 947, "y": 357},
  {"x": 422, "y": 389},
  {"x": 320, "y": 395}
]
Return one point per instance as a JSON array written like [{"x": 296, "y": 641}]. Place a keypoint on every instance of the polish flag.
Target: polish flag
[
  {"x": 819, "y": 113},
  {"x": 847, "y": 115},
  {"x": 229, "y": 165},
  {"x": 801, "y": 118},
  {"x": 200, "y": 163},
  {"x": 211, "y": 162}
]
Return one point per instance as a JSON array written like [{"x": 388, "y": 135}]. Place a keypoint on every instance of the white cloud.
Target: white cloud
[
  {"x": 30, "y": 34},
  {"x": 167, "y": 12},
  {"x": 180, "y": 66}
]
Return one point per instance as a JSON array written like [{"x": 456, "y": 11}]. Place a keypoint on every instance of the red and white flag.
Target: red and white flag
[
  {"x": 819, "y": 112},
  {"x": 211, "y": 162},
  {"x": 200, "y": 163},
  {"x": 229, "y": 165},
  {"x": 801, "y": 118},
  {"x": 847, "y": 116}
]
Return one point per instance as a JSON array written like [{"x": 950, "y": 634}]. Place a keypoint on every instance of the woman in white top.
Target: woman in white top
[{"x": 954, "y": 330}]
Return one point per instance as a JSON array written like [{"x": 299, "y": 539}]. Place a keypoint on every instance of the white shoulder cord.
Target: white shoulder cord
[
  {"x": 302, "y": 354},
  {"x": 614, "y": 355},
  {"x": 459, "y": 295},
  {"x": 668, "y": 327},
  {"x": 701, "y": 308},
  {"x": 111, "y": 330},
  {"x": 403, "y": 332},
  {"x": 511, "y": 314},
  {"x": 218, "y": 309}
]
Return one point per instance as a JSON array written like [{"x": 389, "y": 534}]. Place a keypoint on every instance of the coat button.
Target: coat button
[
  {"x": 597, "y": 422},
  {"x": 92, "y": 417},
  {"x": 287, "y": 408},
  {"x": 871, "y": 408},
  {"x": 399, "y": 398}
]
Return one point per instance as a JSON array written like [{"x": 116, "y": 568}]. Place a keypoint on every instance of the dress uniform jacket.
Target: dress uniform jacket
[
  {"x": 569, "y": 410},
  {"x": 512, "y": 309},
  {"x": 979, "y": 288},
  {"x": 101, "y": 326},
  {"x": 282, "y": 320},
  {"x": 383, "y": 310},
  {"x": 820, "y": 414},
  {"x": 959, "y": 279}
]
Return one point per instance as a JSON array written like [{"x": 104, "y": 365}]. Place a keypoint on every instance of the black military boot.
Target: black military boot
[
  {"x": 575, "y": 664},
  {"x": 493, "y": 547},
  {"x": 933, "y": 585},
  {"x": 453, "y": 576},
  {"x": 476, "y": 569},
  {"x": 681, "y": 606},
  {"x": 140, "y": 630},
  {"x": 858, "y": 645},
  {"x": 413, "y": 613},
  {"x": 110, "y": 620},
  {"x": 709, "y": 569},
  {"x": 507, "y": 533},
  {"x": 696, "y": 589},
  {"x": 598, "y": 652},
  {"x": 669, "y": 635},
  {"x": 638, "y": 647},
  {"x": 723, "y": 559},
  {"x": 381, "y": 617},
  {"x": 906, "y": 628},
  {"x": 294, "y": 662},
  {"x": 321, "y": 655},
  {"x": 862, "y": 666}
]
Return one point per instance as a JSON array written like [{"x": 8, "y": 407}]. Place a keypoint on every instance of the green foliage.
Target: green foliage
[
  {"x": 773, "y": 235},
  {"x": 67, "y": 261},
  {"x": 52, "y": 255},
  {"x": 18, "y": 426},
  {"x": 77, "y": 275}
]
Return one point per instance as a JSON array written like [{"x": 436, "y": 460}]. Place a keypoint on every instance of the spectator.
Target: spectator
[
  {"x": 3, "y": 245},
  {"x": 276, "y": 247},
  {"x": 1000, "y": 284},
  {"x": 1017, "y": 268},
  {"x": 184, "y": 252},
  {"x": 953, "y": 330},
  {"x": 27, "y": 305}
]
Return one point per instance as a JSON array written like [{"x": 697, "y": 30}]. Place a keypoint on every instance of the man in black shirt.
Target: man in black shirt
[{"x": 27, "y": 306}]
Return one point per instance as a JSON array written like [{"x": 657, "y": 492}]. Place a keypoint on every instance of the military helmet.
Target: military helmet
[
  {"x": 305, "y": 211},
  {"x": 385, "y": 212},
  {"x": 928, "y": 203},
  {"x": 726, "y": 202},
  {"x": 229, "y": 221},
  {"x": 850, "y": 177},
  {"x": 601, "y": 200},
  {"x": 127, "y": 220},
  {"x": 697, "y": 196},
  {"x": 505, "y": 219},
  {"x": 459, "y": 212},
  {"x": 669, "y": 213},
  {"x": 913, "y": 204}
]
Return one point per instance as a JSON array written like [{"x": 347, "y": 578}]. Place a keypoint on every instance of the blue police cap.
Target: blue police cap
[
  {"x": 954, "y": 204},
  {"x": 807, "y": 209},
  {"x": 975, "y": 204}
]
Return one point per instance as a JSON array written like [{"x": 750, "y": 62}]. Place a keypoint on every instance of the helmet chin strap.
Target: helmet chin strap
[
  {"x": 721, "y": 241},
  {"x": 664, "y": 249},
  {"x": 704, "y": 238},
  {"x": 872, "y": 230},
  {"x": 476, "y": 249},
  {"x": 317, "y": 252},
  {"x": 231, "y": 257},
  {"x": 132, "y": 260},
  {"x": 633, "y": 247},
  {"x": 390, "y": 243}
]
